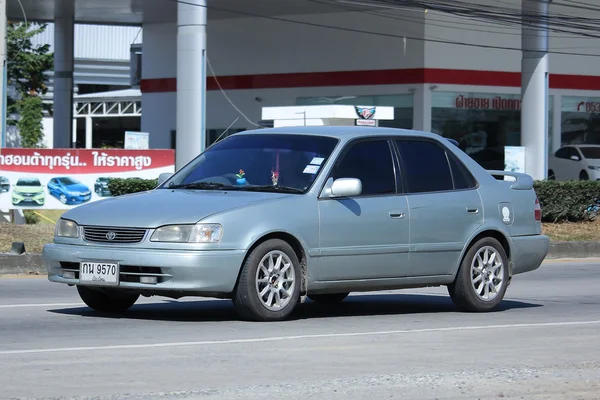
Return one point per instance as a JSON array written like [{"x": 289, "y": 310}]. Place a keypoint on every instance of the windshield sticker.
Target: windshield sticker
[
  {"x": 274, "y": 177},
  {"x": 317, "y": 160},
  {"x": 240, "y": 177},
  {"x": 311, "y": 169}
]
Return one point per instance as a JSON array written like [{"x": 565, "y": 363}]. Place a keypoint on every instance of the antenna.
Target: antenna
[{"x": 225, "y": 131}]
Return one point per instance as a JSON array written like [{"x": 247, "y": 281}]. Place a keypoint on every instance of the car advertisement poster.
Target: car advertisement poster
[{"x": 66, "y": 178}]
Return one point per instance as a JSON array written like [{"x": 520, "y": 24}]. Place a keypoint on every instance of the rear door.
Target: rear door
[{"x": 444, "y": 205}]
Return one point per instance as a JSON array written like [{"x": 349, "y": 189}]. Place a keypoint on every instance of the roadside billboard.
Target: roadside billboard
[{"x": 65, "y": 178}]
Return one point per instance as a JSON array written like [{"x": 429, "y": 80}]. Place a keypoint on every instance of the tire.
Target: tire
[
  {"x": 333, "y": 298},
  {"x": 583, "y": 176},
  {"x": 551, "y": 176},
  {"x": 107, "y": 300},
  {"x": 247, "y": 300},
  {"x": 63, "y": 199},
  {"x": 463, "y": 292}
]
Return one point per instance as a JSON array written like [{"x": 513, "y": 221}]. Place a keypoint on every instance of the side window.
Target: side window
[
  {"x": 426, "y": 167},
  {"x": 562, "y": 153},
  {"x": 461, "y": 175},
  {"x": 371, "y": 162}
]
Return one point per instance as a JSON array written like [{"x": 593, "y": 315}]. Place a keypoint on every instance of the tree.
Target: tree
[{"x": 27, "y": 80}]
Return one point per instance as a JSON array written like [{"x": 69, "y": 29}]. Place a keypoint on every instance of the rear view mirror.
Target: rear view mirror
[
  {"x": 163, "y": 177},
  {"x": 574, "y": 158},
  {"x": 342, "y": 187}
]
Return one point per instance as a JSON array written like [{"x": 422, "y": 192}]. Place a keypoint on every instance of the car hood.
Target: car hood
[
  {"x": 161, "y": 207},
  {"x": 29, "y": 189},
  {"x": 77, "y": 187}
]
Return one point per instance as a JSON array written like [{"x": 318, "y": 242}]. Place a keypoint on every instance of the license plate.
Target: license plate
[{"x": 97, "y": 273}]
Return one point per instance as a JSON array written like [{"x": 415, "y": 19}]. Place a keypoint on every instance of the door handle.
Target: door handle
[
  {"x": 472, "y": 210},
  {"x": 396, "y": 214}
]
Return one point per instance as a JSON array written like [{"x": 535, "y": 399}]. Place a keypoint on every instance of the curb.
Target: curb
[
  {"x": 22, "y": 264},
  {"x": 32, "y": 264}
]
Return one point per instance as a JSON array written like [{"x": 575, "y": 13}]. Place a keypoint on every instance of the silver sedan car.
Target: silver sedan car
[{"x": 269, "y": 217}]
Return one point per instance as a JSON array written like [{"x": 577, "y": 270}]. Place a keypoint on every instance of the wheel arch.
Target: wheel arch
[
  {"x": 488, "y": 233},
  {"x": 296, "y": 245}
]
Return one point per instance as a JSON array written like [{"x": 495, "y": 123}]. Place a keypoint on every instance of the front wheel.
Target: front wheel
[
  {"x": 482, "y": 278},
  {"x": 269, "y": 285},
  {"x": 107, "y": 300}
]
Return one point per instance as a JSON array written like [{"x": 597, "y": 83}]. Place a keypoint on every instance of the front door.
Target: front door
[
  {"x": 365, "y": 237},
  {"x": 444, "y": 206}
]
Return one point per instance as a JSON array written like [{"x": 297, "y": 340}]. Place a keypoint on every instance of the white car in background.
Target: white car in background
[{"x": 575, "y": 162}]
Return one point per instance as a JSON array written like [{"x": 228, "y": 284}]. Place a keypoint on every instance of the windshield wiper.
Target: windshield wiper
[
  {"x": 200, "y": 185},
  {"x": 271, "y": 188}
]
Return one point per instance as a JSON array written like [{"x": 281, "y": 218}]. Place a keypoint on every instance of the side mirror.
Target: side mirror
[
  {"x": 574, "y": 158},
  {"x": 163, "y": 177},
  {"x": 342, "y": 187}
]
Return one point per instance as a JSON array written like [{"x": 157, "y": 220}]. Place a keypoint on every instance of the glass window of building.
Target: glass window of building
[
  {"x": 580, "y": 120},
  {"x": 402, "y": 103},
  {"x": 482, "y": 123}
]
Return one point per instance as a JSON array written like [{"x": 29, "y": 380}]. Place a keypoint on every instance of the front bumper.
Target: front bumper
[
  {"x": 210, "y": 272},
  {"x": 76, "y": 199},
  {"x": 38, "y": 199},
  {"x": 528, "y": 252}
]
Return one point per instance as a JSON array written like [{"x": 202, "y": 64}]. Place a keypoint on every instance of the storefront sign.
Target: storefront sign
[
  {"x": 486, "y": 103},
  {"x": 588, "y": 106},
  {"x": 65, "y": 178},
  {"x": 514, "y": 158}
]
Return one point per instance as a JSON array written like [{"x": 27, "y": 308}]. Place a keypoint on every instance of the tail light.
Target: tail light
[{"x": 537, "y": 210}]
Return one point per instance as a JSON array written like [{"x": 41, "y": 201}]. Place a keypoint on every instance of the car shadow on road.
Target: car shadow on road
[{"x": 352, "y": 306}]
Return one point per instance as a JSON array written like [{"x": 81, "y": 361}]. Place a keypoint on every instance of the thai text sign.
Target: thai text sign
[{"x": 65, "y": 178}]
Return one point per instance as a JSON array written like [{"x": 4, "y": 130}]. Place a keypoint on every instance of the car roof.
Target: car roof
[{"x": 341, "y": 132}]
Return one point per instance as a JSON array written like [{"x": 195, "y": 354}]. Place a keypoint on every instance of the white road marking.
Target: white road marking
[
  {"x": 297, "y": 337},
  {"x": 40, "y": 305}
]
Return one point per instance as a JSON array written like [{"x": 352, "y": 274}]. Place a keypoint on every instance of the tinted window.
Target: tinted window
[
  {"x": 371, "y": 162},
  {"x": 426, "y": 167},
  {"x": 461, "y": 175},
  {"x": 590, "y": 152},
  {"x": 67, "y": 181},
  {"x": 562, "y": 153}
]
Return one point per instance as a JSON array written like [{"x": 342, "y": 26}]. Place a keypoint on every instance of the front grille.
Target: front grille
[{"x": 101, "y": 234}]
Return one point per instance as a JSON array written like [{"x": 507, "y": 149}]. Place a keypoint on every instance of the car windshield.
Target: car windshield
[
  {"x": 266, "y": 162},
  {"x": 28, "y": 182},
  {"x": 67, "y": 181},
  {"x": 591, "y": 152}
]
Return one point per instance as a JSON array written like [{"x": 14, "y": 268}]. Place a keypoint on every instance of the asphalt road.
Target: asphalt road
[{"x": 543, "y": 344}]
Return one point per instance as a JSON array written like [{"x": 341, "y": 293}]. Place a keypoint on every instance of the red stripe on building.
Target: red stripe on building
[{"x": 376, "y": 77}]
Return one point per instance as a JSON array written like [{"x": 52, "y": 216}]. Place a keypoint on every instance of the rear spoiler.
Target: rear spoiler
[{"x": 521, "y": 181}]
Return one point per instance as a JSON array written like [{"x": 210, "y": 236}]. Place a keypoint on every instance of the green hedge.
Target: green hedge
[
  {"x": 572, "y": 201},
  {"x": 119, "y": 186},
  {"x": 560, "y": 200}
]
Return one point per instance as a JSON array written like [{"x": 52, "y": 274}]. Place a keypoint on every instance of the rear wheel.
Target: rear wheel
[
  {"x": 482, "y": 278},
  {"x": 328, "y": 298},
  {"x": 107, "y": 300},
  {"x": 551, "y": 176},
  {"x": 269, "y": 284}
]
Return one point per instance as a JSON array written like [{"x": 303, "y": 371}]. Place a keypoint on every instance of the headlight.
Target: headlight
[
  {"x": 199, "y": 233},
  {"x": 66, "y": 228},
  {"x": 594, "y": 167}
]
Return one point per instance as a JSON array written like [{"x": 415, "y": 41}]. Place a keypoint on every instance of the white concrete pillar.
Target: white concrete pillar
[
  {"x": 64, "y": 27},
  {"x": 89, "y": 127},
  {"x": 74, "y": 134},
  {"x": 422, "y": 108},
  {"x": 534, "y": 87},
  {"x": 191, "y": 81}
]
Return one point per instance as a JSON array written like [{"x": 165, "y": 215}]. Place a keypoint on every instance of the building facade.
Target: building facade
[{"x": 465, "y": 92}]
